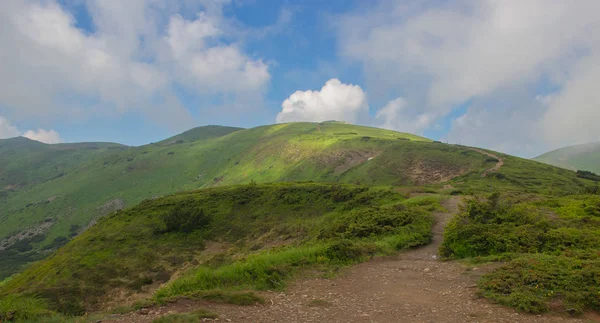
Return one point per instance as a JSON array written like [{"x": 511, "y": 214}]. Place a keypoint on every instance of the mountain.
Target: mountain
[
  {"x": 115, "y": 223},
  {"x": 200, "y": 133},
  {"x": 51, "y": 193},
  {"x": 581, "y": 157}
]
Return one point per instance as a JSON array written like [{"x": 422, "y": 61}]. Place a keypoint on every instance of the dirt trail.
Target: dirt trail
[
  {"x": 496, "y": 167},
  {"x": 412, "y": 287}
]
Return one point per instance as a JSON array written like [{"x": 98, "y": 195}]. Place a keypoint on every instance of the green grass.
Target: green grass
[
  {"x": 68, "y": 187},
  {"x": 540, "y": 283},
  {"x": 314, "y": 225},
  {"x": 519, "y": 175},
  {"x": 191, "y": 317},
  {"x": 549, "y": 246},
  {"x": 20, "y": 308},
  {"x": 71, "y": 186}
]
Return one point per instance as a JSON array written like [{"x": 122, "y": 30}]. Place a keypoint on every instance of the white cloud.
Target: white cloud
[
  {"x": 572, "y": 113},
  {"x": 395, "y": 115},
  {"x": 45, "y": 136},
  {"x": 7, "y": 130},
  {"x": 335, "y": 101},
  {"x": 222, "y": 68},
  {"x": 441, "y": 55},
  {"x": 137, "y": 52}
]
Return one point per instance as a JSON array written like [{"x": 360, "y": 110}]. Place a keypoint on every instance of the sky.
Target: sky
[{"x": 515, "y": 76}]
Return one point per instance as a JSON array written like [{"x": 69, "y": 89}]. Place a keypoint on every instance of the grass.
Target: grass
[
  {"x": 311, "y": 226},
  {"x": 68, "y": 187},
  {"x": 519, "y": 175},
  {"x": 191, "y": 317},
  {"x": 20, "y": 308},
  {"x": 74, "y": 185},
  {"x": 549, "y": 246},
  {"x": 540, "y": 283}
]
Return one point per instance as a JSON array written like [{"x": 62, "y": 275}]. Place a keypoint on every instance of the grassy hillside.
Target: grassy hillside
[
  {"x": 51, "y": 193},
  {"x": 526, "y": 176},
  {"x": 580, "y": 157},
  {"x": 226, "y": 239},
  {"x": 266, "y": 233},
  {"x": 65, "y": 188}
]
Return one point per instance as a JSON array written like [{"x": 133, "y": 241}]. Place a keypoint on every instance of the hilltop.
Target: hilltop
[
  {"x": 51, "y": 193},
  {"x": 218, "y": 213},
  {"x": 581, "y": 157}
]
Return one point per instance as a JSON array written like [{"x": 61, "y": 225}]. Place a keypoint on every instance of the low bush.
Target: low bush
[
  {"x": 549, "y": 245},
  {"x": 588, "y": 175},
  {"x": 540, "y": 283},
  {"x": 185, "y": 219}
]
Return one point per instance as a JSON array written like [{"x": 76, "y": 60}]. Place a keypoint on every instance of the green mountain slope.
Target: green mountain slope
[
  {"x": 580, "y": 157},
  {"x": 200, "y": 133},
  {"x": 132, "y": 251},
  {"x": 46, "y": 203}
]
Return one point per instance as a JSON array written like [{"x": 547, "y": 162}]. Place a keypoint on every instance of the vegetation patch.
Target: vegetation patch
[
  {"x": 549, "y": 246},
  {"x": 540, "y": 283},
  {"x": 588, "y": 175},
  {"x": 298, "y": 225},
  {"x": 20, "y": 308}
]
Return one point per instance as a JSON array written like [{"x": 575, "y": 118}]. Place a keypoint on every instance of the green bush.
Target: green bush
[
  {"x": 185, "y": 219},
  {"x": 588, "y": 175},
  {"x": 535, "y": 283},
  {"x": 550, "y": 245}
]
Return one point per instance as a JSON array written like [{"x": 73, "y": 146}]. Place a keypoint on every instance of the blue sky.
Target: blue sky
[{"x": 485, "y": 73}]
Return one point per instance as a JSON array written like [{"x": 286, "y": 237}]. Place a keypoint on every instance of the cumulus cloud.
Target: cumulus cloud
[
  {"x": 45, "y": 136},
  {"x": 7, "y": 130},
  {"x": 438, "y": 56},
  {"x": 335, "y": 101},
  {"x": 396, "y": 115},
  {"x": 137, "y": 52},
  {"x": 211, "y": 69}
]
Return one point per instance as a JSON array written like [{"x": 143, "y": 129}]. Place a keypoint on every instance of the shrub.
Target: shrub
[
  {"x": 185, "y": 220},
  {"x": 532, "y": 283},
  {"x": 588, "y": 175},
  {"x": 345, "y": 250}
]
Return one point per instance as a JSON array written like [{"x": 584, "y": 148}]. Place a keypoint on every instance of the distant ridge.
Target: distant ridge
[{"x": 578, "y": 157}]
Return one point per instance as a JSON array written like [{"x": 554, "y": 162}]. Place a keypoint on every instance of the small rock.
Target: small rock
[
  {"x": 144, "y": 311},
  {"x": 426, "y": 270}
]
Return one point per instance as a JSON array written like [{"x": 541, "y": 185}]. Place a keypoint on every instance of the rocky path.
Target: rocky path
[{"x": 412, "y": 287}]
